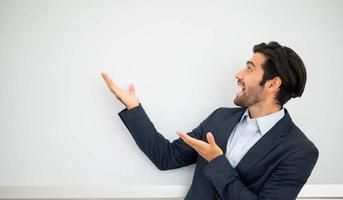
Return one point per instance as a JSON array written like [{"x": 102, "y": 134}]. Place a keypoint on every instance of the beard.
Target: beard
[{"x": 249, "y": 97}]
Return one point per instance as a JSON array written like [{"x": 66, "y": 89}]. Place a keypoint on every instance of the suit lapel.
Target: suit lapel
[{"x": 266, "y": 144}]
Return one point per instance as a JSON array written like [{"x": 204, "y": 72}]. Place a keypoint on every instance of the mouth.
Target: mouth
[{"x": 242, "y": 89}]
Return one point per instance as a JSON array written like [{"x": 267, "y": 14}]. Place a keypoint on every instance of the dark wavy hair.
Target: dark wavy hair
[{"x": 282, "y": 61}]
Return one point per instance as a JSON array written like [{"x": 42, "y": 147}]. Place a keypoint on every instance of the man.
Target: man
[{"x": 254, "y": 151}]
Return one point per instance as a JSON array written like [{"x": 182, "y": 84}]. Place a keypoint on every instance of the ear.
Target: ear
[{"x": 274, "y": 84}]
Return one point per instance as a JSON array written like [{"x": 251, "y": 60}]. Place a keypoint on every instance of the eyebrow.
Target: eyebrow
[{"x": 250, "y": 62}]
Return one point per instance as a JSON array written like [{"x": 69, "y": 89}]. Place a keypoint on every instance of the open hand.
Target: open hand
[
  {"x": 129, "y": 99},
  {"x": 209, "y": 151}
]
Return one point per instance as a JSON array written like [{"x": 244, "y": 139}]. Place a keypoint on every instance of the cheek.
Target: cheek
[
  {"x": 255, "y": 87},
  {"x": 253, "y": 83},
  {"x": 263, "y": 91}
]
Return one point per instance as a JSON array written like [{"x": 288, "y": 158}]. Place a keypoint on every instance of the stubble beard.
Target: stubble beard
[{"x": 249, "y": 97}]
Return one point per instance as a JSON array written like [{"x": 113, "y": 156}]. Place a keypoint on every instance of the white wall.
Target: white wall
[{"x": 59, "y": 123}]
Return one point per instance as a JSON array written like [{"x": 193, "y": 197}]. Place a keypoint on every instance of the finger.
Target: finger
[
  {"x": 184, "y": 137},
  {"x": 107, "y": 79},
  {"x": 192, "y": 141},
  {"x": 210, "y": 139},
  {"x": 110, "y": 83},
  {"x": 132, "y": 89}
]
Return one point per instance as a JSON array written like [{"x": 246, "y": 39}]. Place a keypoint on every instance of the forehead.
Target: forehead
[{"x": 258, "y": 59}]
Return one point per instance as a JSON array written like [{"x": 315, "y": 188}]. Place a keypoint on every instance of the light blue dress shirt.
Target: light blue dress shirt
[{"x": 247, "y": 132}]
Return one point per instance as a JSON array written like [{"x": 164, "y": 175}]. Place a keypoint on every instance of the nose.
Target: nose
[{"x": 240, "y": 74}]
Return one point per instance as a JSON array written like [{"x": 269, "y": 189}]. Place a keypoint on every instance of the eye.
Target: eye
[{"x": 249, "y": 68}]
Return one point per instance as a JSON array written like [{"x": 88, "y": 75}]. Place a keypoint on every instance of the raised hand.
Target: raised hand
[{"x": 129, "y": 99}]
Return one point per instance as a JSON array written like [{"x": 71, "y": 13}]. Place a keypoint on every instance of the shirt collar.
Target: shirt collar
[{"x": 265, "y": 123}]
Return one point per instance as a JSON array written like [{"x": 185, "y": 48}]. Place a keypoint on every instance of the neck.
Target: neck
[{"x": 260, "y": 109}]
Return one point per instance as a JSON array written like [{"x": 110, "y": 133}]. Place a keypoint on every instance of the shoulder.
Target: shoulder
[{"x": 298, "y": 141}]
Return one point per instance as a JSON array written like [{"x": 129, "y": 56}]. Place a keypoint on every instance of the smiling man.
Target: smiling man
[{"x": 254, "y": 151}]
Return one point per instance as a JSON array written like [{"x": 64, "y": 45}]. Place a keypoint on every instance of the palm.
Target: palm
[{"x": 129, "y": 99}]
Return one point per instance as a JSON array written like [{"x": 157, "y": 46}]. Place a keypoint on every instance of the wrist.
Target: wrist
[{"x": 129, "y": 107}]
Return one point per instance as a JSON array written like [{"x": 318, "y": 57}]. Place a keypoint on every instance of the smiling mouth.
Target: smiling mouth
[{"x": 242, "y": 89}]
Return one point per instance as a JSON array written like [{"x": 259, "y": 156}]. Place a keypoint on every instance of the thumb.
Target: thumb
[
  {"x": 210, "y": 139},
  {"x": 132, "y": 89}
]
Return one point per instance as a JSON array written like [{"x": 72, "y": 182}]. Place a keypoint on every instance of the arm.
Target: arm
[
  {"x": 284, "y": 183},
  {"x": 160, "y": 151}
]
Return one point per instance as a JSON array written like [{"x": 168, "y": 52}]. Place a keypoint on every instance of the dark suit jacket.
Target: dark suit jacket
[{"x": 275, "y": 168}]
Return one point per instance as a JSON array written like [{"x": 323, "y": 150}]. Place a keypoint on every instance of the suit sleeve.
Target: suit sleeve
[
  {"x": 164, "y": 154},
  {"x": 284, "y": 183}
]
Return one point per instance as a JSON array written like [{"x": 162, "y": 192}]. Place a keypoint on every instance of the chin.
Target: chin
[{"x": 237, "y": 102}]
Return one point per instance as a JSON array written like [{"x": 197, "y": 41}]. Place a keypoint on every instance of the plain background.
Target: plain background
[{"x": 59, "y": 123}]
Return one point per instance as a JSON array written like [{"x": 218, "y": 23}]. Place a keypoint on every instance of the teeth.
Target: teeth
[{"x": 241, "y": 85}]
